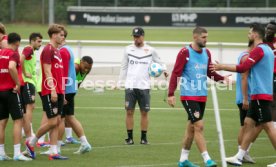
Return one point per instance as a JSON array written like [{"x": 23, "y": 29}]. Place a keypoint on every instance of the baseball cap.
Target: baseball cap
[{"x": 138, "y": 31}]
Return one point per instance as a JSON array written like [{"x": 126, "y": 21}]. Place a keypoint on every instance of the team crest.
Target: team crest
[
  {"x": 33, "y": 98},
  {"x": 196, "y": 114},
  {"x": 127, "y": 103},
  {"x": 55, "y": 110},
  {"x": 146, "y": 50}
]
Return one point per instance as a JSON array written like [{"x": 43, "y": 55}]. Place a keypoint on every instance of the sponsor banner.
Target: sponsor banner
[{"x": 169, "y": 19}]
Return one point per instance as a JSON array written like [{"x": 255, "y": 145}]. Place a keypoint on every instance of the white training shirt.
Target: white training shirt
[{"x": 135, "y": 65}]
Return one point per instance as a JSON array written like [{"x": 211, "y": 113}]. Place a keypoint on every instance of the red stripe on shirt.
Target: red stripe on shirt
[
  {"x": 254, "y": 57},
  {"x": 262, "y": 97}
]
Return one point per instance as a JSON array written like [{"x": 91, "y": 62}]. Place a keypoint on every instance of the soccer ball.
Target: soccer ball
[{"x": 155, "y": 70}]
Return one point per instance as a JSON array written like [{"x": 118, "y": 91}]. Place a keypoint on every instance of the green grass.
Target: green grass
[
  {"x": 105, "y": 129},
  {"x": 123, "y": 33}
]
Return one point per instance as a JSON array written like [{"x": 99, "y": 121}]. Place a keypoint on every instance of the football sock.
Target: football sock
[
  {"x": 42, "y": 139},
  {"x": 16, "y": 149},
  {"x": 130, "y": 134},
  {"x": 53, "y": 149},
  {"x": 240, "y": 154},
  {"x": 144, "y": 135},
  {"x": 83, "y": 140},
  {"x": 184, "y": 155},
  {"x": 68, "y": 132},
  {"x": 205, "y": 156},
  {"x": 2, "y": 149}
]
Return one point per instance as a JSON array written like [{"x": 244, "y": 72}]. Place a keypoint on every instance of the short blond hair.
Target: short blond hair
[{"x": 54, "y": 29}]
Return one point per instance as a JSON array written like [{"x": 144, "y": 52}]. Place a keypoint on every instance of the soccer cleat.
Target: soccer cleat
[
  {"x": 42, "y": 144},
  {"x": 83, "y": 149},
  {"x": 71, "y": 140},
  {"x": 129, "y": 141},
  {"x": 186, "y": 163},
  {"x": 144, "y": 141},
  {"x": 5, "y": 158},
  {"x": 210, "y": 163},
  {"x": 30, "y": 150},
  {"x": 272, "y": 165},
  {"x": 234, "y": 161},
  {"x": 57, "y": 157},
  {"x": 21, "y": 157},
  {"x": 247, "y": 159}
]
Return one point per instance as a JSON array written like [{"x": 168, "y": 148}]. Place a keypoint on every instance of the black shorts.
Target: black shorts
[
  {"x": 40, "y": 95},
  {"x": 28, "y": 93},
  {"x": 260, "y": 111},
  {"x": 10, "y": 103},
  {"x": 140, "y": 95},
  {"x": 243, "y": 114},
  {"x": 194, "y": 109},
  {"x": 68, "y": 109},
  {"x": 52, "y": 109}
]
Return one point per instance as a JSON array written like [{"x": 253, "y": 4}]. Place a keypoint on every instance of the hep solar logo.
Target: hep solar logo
[{"x": 50, "y": 83}]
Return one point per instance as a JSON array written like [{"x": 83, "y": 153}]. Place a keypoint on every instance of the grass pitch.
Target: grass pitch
[{"x": 102, "y": 116}]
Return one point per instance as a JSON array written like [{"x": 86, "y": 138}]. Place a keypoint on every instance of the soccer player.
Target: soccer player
[
  {"x": 261, "y": 64},
  {"x": 134, "y": 70},
  {"x": 70, "y": 91},
  {"x": 242, "y": 101},
  {"x": 52, "y": 92},
  {"x": 270, "y": 40},
  {"x": 28, "y": 61},
  {"x": 10, "y": 102},
  {"x": 192, "y": 66},
  {"x": 3, "y": 37},
  {"x": 82, "y": 66}
]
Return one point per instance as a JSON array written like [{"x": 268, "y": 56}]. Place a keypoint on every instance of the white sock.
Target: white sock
[
  {"x": 239, "y": 147},
  {"x": 42, "y": 139},
  {"x": 83, "y": 140},
  {"x": 184, "y": 155},
  {"x": 240, "y": 154},
  {"x": 2, "y": 149},
  {"x": 16, "y": 150},
  {"x": 205, "y": 156},
  {"x": 59, "y": 145},
  {"x": 68, "y": 132},
  {"x": 249, "y": 147},
  {"x": 33, "y": 140},
  {"x": 53, "y": 149},
  {"x": 32, "y": 130}
]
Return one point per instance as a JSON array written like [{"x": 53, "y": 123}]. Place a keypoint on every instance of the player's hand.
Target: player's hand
[
  {"x": 166, "y": 74},
  {"x": 171, "y": 101},
  {"x": 245, "y": 104},
  {"x": 215, "y": 66},
  {"x": 16, "y": 89},
  {"x": 53, "y": 96},
  {"x": 28, "y": 75},
  {"x": 227, "y": 79}
]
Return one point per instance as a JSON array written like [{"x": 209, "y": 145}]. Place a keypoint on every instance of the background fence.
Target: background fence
[{"x": 36, "y": 11}]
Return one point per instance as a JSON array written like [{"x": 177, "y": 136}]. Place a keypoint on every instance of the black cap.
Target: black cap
[{"x": 138, "y": 31}]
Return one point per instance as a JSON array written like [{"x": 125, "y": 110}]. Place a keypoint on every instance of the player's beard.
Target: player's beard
[
  {"x": 201, "y": 44},
  {"x": 250, "y": 43}
]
